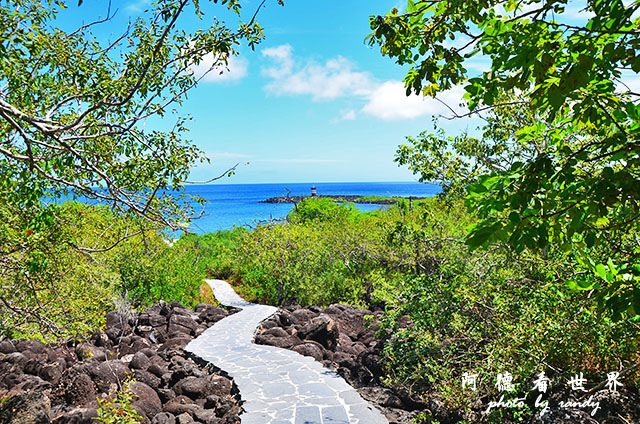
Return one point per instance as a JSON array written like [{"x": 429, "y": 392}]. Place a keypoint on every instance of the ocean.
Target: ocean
[{"x": 234, "y": 205}]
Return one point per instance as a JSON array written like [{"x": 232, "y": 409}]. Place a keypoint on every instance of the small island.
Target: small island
[{"x": 374, "y": 200}]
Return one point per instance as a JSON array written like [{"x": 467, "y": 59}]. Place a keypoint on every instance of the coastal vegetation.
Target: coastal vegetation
[
  {"x": 375, "y": 200},
  {"x": 470, "y": 311}
]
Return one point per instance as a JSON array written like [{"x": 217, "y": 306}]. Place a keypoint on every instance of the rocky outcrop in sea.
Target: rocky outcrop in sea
[{"x": 340, "y": 199}]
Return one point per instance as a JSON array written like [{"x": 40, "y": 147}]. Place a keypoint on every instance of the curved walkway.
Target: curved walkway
[{"x": 276, "y": 385}]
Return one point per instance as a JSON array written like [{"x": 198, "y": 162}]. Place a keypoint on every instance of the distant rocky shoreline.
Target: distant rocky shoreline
[{"x": 343, "y": 198}]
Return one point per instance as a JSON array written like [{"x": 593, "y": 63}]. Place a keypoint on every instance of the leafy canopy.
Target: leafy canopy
[
  {"x": 73, "y": 110},
  {"x": 569, "y": 172}
]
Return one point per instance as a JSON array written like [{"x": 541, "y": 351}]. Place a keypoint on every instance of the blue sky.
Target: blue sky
[{"x": 313, "y": 103}]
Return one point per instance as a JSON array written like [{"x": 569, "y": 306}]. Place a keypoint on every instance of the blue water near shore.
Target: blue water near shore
[{"x": 234, "y": 205}]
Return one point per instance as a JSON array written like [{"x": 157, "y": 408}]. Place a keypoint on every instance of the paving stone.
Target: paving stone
[
  {"x": 327, "y": 401},
  {"x": 334, "y": 415},
  {"x": 316, "y": 390},
  {"x": 351, "y": 397},
  {"x": 304, "y": 376},
  {"x": 308, "y": 415},
  {"x": 255, "y": 418},
  {"x": 277, "y": 390},
  {"x": 366, "y": 414}
]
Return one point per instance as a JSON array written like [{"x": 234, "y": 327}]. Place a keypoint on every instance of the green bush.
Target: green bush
[
  {"x": 117, "y": 409},
  {"x": 491, "y": 311},
  {"x": 63, "y": 277},
  {"x": 320, "y": 209}
]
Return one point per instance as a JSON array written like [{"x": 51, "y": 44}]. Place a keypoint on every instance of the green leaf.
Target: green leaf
[{"x": 636, "y": 300}]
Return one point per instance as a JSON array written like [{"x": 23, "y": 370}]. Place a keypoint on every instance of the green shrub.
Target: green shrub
[
  {"x": 321, "y": 209},
  {"x": 117, "y": 409},
  {"x": 492, "y": 311}
]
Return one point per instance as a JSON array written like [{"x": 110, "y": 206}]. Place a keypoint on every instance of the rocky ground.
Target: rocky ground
[
  {"x": 61, "y": 383},
  {"x": 343, "y": 339}
]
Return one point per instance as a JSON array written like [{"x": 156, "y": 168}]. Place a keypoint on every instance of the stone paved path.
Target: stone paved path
[{"x": 276, "y": 385}]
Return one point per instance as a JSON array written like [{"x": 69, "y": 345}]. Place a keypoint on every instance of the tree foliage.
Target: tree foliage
[
  {"x": 74, "y": 110},
  {"x": 572, "y": 168}
]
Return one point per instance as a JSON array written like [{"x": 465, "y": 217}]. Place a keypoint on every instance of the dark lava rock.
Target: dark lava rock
[
  {"x": 77, "y": 387},
  {"x": 52, "y": 372},
  {"x": 152, "y": 319},
  {"x": 220, "y": 386},
  {"x": 381, "y": 396},
  {"x": 116, "y": 320},
  {"x": 147, "y": 378},
  {"x": 62, "y": 382},
  {"x": 89, "y": 351},
  {"x": 321, "y": 329},
  {"x": 181, "y": 324},
  {"x": 78, "y": 416},
  {"x": 179, "y": 341},
  {"x": 147, "y": 403},
  {"x": 31, "y": 383},
  {"x": 211, "y": 314},
  {"x": 206, "y": 416},
  {"x": 164, "y": 418},
  {"x": 166, "y": 395},
  {"x": 7, "y": 347},
  {"x": 184, "y": 418},
  {"x": 302, "y": 316},
  {"x": 193, "y": 387},
  {"x": 35, "y": 346},
  {"x": 140, "y": 361},
  {"x": 107, "y": 373},
  {"x": 179, "y": 405},
  {"x": 26, "y": 408},
  {"x": 158, "y": 369},
  {"x": 309, "y": 349},
  {"x": 277, "y": 336},
  {"x": 16, "y": 358}
]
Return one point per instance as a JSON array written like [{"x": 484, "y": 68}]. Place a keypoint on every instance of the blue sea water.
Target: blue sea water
[{"x": 233, "y": 205}]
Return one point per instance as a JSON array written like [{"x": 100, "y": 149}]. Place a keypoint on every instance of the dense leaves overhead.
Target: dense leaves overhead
[{"x": 570, "y": 172}]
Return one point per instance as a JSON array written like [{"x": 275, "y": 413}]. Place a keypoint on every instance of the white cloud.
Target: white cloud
[
  {"x": 137, "y": 6},
  {"x": 345, "y": 115},
  {"x": 283, "y": 58},
  {"x": 348, "y": 115},
  {"x": 390, "y": 102},
  {"x": 235, "y": 69},
  {"x": 299, "y": 160},
  {"x": 337, "y": 78},
  {"x": 219, "y": 155},
  {"x": 323, "y": 81}
]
